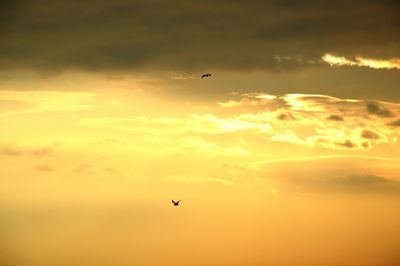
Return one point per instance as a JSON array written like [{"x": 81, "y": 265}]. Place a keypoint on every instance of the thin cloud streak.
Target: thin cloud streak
[
  {"x": 323, "y": 157},
  {"x": 334, "y": 60},
  {"x": 335, "y": 156}
]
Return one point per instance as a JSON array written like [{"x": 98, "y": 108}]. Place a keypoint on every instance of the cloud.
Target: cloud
[
  {"x": 364, "y": 62},
  {"x": 255, "y": 117},
  {"x": 132, "y": 35},
  {"x": 42, "y": 152},
  {"x": 44, "y": 168},
  {"x": 347, "y": 144},
  {"x": 45, "y": 101},
  {"x": 201, "y": 179},
  {"x": 331, "y": 173},
  {"x": 287, "y": 136},
  {"x": 317, "y": 102},
  {"x": 198, "y": 144},
  {"x": 18, "y": 150},
  {"x": 10, "y": 150},
  {"x": 365, "y": 144},
  {"x": 369, "y": 134},
  {"x": 250, "y": 102},
  {"x": 375, "y": 109},
  {"x": 368, "y": 183},
  {"x": 395, "y": 123},
  {"x": 308, "y": 115},
  {"x": 194, "y": 123},
  {"x": 353, "y": 184},
  {"x": 286, "y": 116},
  {"x": 335, "y": 118}
]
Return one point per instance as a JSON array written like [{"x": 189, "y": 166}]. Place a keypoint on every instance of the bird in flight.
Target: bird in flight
[
  {"x": 176, "y": 203},
  {"x": 206, "y": 75}
]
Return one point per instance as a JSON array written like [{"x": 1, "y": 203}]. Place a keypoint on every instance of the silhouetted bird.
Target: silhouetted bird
[
  {"x": 176, "y": 203},
  {"x": 206, "y": 75}
]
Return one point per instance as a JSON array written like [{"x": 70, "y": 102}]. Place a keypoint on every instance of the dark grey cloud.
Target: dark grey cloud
[
  {"x": 192, "y": 35},
  {"x": 335, "y": 118},
  {"x": 375, "y": 109},
  {"x": 369, "y": 134}
]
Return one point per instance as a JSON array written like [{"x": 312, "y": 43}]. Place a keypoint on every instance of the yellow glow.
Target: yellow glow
[{"x": 102, "y": 167}]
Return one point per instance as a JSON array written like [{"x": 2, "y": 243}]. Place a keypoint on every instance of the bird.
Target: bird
[
  {"x": 206, "y": 75},
  {"x": 176, "y": 203}
]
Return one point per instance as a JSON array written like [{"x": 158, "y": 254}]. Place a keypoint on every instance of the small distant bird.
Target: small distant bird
[
  {"x": 176, "y": 203},
  {"x": 206, "y": 75}
]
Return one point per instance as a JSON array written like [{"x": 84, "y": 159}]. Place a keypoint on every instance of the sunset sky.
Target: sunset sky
[{"x": 288, "y": 155}]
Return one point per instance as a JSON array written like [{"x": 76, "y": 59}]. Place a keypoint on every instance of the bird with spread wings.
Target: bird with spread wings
[{"x": 176, "y": 203}]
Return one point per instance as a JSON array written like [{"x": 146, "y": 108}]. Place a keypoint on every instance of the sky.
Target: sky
[{"x": 288, "y": 155}]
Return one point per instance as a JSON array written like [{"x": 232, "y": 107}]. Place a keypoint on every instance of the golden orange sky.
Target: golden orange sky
[
  {"x": 292, "y": 179},
  {"x": 288, "y": 155}
]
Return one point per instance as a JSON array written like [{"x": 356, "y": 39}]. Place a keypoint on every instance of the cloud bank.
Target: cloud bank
[{"x": 234, "y": 35}]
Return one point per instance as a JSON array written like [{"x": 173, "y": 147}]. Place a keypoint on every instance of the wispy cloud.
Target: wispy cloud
[
  {"x": 18, "y": 150},
  {"x": 45, "y": 101},
  {"x": 201, "y": 179},
  {"x": 181, "y": 76},
  {"x": 335, "y": 118},
  {"x": 10, "y": 150},
  {"x": 352, "y": 184},
  {"x": 334, "y": 60}
]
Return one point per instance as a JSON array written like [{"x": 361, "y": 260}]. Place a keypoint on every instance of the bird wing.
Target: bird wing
[{"x": 173, "y": 202}]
